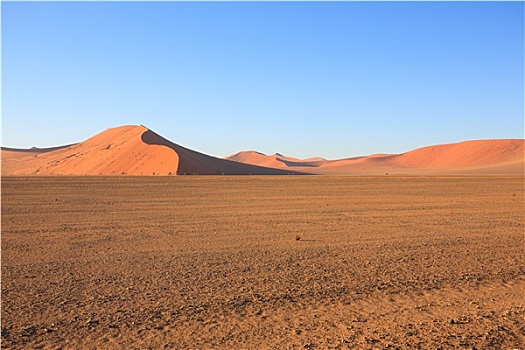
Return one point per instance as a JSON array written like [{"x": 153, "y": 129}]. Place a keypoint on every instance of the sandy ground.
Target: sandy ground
[{"x": 213, "y": 262}]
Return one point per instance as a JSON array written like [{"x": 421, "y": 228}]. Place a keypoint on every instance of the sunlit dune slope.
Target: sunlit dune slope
[
  {"x": 114, "y": 151},
  {"x": 478, "y": 153}
]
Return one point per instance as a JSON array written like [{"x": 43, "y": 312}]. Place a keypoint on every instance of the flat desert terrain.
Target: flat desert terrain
[{"x": 262, "y": 262}]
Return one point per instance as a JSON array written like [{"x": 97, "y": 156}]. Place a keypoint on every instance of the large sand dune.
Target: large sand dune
[
  {"x": 136, "y": 150},
  {"x": 114, "y": 151},
  {"x": 505, "y": 156},
  {"x": 125, "y": 150}
]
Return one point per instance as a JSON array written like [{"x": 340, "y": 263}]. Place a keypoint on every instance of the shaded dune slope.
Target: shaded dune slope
[{"x": 192, "y": 162}]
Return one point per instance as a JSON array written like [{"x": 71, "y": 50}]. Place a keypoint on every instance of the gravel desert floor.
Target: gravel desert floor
[{"x": 262, "y": 262}]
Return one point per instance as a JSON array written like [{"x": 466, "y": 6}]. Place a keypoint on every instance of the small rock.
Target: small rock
[{"x": 92, "y": 322}]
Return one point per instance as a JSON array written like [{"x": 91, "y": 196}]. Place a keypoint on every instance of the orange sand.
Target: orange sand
[
  {"x": 485, "y": 157},
  {"x": 136, "y": 150},
  {"x": 125, "y": 150}
]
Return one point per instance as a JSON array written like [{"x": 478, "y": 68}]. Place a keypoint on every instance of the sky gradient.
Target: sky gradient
[{"x": 305, "y": 79}]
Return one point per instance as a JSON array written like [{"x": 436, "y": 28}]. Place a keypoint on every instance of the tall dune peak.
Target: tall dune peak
[{"x": 124, "y": 150}]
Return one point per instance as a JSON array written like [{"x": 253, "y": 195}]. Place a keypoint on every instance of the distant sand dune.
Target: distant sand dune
[
  {"x": 136, "y": 150},
  {"x": 274, "y": 161},
  {"x": 479, "y": 153},
  {"x": 8, "y": 153},
  {"x": 505, "y": 156}
]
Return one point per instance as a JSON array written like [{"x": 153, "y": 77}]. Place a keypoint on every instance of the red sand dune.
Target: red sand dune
[
  {"x": 114, "y": 151},
  {"x": 505, "y": 156},
  {"x": 125, "y": 150},
  {"x": 276, "y": 160},
  {"x": 479, "y": 153},
  {"x": 136, "y": 150}
]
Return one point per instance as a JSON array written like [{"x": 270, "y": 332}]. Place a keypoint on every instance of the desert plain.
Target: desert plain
[{"x": 263, "y": 262}]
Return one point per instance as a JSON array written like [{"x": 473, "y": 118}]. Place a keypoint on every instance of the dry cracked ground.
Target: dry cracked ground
[{"x": 304, "y": 262}]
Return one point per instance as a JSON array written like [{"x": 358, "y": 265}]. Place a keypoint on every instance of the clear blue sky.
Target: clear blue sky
[{"x": 334, "y": 79}]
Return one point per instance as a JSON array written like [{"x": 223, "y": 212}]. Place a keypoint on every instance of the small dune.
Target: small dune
[{"x": 276, "y": 160}]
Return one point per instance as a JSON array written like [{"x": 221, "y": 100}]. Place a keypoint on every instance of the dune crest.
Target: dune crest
[{"x": 115, "y": 151}]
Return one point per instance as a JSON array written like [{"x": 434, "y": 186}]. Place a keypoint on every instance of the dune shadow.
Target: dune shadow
[
  {"x": 292, "y": 164},
  {"x": 193, "y": 162}
]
